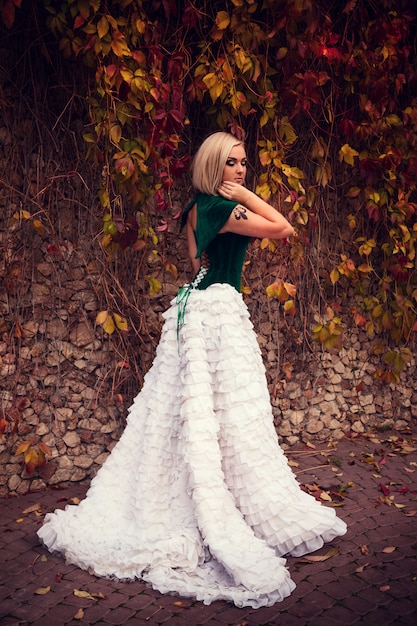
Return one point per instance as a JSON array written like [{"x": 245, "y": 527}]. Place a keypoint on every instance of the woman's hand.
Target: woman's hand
[{"x": 234, "y": 191}]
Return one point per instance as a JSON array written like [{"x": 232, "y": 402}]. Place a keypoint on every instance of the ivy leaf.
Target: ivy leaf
[
  {"x": 102, "y": 27},
  {"x": 348, "y": 154},
  {"x": 154, "y": 285},
  {"x": 222, "y": 20},
  {"x": 121, "y": 322}
]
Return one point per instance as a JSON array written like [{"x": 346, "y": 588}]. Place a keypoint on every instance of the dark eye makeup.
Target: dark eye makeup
[{"x": 232, "y": 162}]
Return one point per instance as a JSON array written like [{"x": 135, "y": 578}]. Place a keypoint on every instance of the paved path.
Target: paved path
[{"x": 367, "y": 577}]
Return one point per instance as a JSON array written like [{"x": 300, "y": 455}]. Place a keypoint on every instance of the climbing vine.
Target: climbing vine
[{"x": 323, "y": 92}]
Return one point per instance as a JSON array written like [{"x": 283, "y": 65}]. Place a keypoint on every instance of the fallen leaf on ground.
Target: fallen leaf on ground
[
  {"x": 385, "y": 588},
  {"x": 389, "y": 549},
  {"x": 364, "y": 549},
  {"x": 384, "y": 488},
  {"x": 79, "y": 614},
  {"x": 319, "y": 557},
  {"x": 360, "y": 569},
  {"x": 83, "y": 594},
  {"x": 412, "y": 513},
  {"x": 325, "y": 496},
  {"x": 42, "y": 591},
  {"x": 32, "y": 509}
]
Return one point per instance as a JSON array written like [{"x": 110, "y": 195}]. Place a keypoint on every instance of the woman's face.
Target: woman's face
[{"x": 235, "y": 168}]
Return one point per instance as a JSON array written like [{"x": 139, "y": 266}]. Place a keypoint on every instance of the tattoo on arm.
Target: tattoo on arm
[{"x": 240, "y": 212}]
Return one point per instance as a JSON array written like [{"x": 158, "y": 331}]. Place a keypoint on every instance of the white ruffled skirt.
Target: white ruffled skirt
[{"x": 197, "y": 497}]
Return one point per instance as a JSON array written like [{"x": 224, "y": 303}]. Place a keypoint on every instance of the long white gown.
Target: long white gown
[{"x": 197, "y": 497}]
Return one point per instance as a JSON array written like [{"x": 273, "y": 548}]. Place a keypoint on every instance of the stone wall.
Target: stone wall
[{"x": 58, "y": 369}]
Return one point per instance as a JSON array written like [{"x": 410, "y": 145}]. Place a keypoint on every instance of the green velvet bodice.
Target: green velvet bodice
[{"x": 226, "y": 251}]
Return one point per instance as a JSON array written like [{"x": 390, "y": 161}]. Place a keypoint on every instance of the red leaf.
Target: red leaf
[
  {"x": 384, "y": 489},
  {"x": 79, "y": 21}
]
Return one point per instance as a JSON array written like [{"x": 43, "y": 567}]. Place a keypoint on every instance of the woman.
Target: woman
[{"x": 197, "y": 498}]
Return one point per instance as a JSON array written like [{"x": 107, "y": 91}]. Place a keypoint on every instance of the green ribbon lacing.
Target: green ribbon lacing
[
  {"x": 182, "y": 299},
  {"x": 183, "y": 295}
]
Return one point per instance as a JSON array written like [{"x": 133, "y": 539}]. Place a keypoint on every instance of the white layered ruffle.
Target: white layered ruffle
[{"x": 197, "y": 497}]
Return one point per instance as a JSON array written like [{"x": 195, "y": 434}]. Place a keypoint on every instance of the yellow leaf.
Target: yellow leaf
[
  {"x": 222, "y": 20},
  {"x": 101, "y": 317},
  {"x": 210, "y": 79},
  {"x": 42, "y": 591},
  {"x": 325, "y": 496},
  {"x": 289, "y": 307},
  {"x": 38, "y": 226},
  {"x": 348, "y": 154},
  {"x": 154, "y": 285},
  {"x": 319, "y": 558},
  {"x": 334, "y": 276},
  {"x": 116, "y": 133},
  {"x": 99, "y": 595},
  {"x": 102, "y": 27},
  {"x": 22, "y": 215},
  {"x": 23, "y": 447},
  {"x": 360, "y": 569},
  {"x": 108, "y": 325},
  {"x": 83, "y": 594},
  {"x": 32, "y": 509},
  {"x": 353, "y": 192},
  {"x": 286, "y": 131},
  {"x": 121, "y": 322}
]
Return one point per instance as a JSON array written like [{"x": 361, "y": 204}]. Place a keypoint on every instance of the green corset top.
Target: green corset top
[
  {"x": 225, "y": 252},
  {"x": 226, "y": 255}
]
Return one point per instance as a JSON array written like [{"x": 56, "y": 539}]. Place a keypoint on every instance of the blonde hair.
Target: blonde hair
[{"x": 210, "y": 160}]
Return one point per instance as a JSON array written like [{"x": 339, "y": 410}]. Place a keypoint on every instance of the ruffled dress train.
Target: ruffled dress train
[{"x": 197, "y": 497}]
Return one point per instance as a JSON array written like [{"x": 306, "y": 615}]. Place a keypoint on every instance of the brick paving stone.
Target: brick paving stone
[
  {"x": 96, "y": 612},
  {"x": 337, "y": 590},
  {"x": 382, "y": 617},
  {"x": 61, "y": 614},
  {"x": 338, "y": 614},
  {"x": 374, "y": 575},
  {"x": 374, "y": 595},
  {"x": 119, "y": 615},
  {"x": 360, "y": 605},
  {"x": 231, "y": 614},
  {"x": 139, "y": 600},
  {"x": 348, "y": 580},
  {"x": 29, "y": 612}
]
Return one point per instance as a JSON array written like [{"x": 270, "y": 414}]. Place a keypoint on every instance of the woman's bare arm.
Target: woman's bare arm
[
  {"x": 192, "y": 245},
  {"x": 253, "y": 216}
]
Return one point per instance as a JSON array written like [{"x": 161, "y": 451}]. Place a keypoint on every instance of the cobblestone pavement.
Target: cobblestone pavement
[{"x": 369, "y": 576}]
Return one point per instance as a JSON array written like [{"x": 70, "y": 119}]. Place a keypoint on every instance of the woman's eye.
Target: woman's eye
[{"x": 232, "y": 162}]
